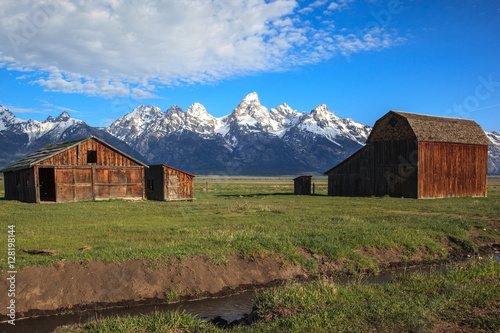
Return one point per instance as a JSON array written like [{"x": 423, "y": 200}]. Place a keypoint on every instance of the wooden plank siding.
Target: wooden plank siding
[
  {"x": 163, "y": 182},
  {"x": 20, "y": 185},
  {"x": 354, "y": 176},
  {"x": 451, "y": 170},
  {"x": 185, "y": 184},
  {"x": 395, "y": 168},
  {"x": 302, "y": 185},
  {"x": 97, "y": 183},
  {"x": 380, "y": 168},
  {"x": 78, "y": 156},
  {"x": 416, "y": 156}
]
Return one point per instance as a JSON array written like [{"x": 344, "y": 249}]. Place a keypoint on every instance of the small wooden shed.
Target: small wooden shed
[
  {"x": 416, "y": 156},
  {"x": 166, "y": 183},
  {"x": 302, "y": 185},
  {"x": 86, "y": 169}
]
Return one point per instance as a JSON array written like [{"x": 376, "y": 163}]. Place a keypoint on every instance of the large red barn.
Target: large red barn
[{"x": 416, "y": 156}]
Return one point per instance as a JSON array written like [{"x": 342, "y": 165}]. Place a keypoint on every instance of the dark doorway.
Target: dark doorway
[{"x": 47, "y": 184}]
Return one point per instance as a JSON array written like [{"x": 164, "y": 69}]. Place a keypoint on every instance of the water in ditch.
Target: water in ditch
[{"x": 229, "y": 308}]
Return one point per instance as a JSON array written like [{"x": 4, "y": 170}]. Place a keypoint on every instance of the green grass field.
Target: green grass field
[{"x": 245, "y": 216}]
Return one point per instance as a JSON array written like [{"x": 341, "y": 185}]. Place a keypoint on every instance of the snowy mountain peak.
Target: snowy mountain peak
[
  {"x": 250, "y": 107},
  {"x": 251, "y": 98},
  {"x": 198, "y": 120},
  {"x": 197, "y": 110},
  {"x": 64, "y": 116},
  {"x": 49, "y": 119},
  {"x": 174, "y": 110},
  {"x": 7, "y": 118},
  {"x": 322, "y": 109},
  {"x": 145, "y": 112}
]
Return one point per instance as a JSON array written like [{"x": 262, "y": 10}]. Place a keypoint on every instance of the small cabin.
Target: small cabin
[
  {"x": 165, "y": 183},
  {"x": 85, "y": 169},
  {"x": 302, "y": 185},
  {"x": 416, "y": 156}
]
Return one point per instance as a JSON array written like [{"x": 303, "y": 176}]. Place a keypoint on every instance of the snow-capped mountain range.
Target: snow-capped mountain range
[{"x": 251, "y": 140}]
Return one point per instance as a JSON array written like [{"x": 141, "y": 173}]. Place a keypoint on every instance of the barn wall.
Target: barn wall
[
  {"x": 20, "y": 185},
  {"x": 154, "y": 182},
  {"x": 98, "y": 183},
  {"x": 78, "y": 156},
  {"x": 452, "y": 170},
  {"x": 380, "y": 168},
  {"x": 185, "y": 184},
  {"x": 302, "y": 185},
  {"x": 354, "y": 176},
  {"x": 395, "y": 168},
  {"x": 118, "y": 182}
]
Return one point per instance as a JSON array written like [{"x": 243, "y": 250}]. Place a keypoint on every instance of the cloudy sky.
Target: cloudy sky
[{"x": 100, "y": 59}]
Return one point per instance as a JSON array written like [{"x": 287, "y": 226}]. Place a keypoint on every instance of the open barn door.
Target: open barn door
[{"x": 47, "y": 184}]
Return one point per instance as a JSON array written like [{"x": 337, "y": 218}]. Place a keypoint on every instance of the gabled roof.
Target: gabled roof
[
  {"x": 168, "y": 166},
  {"x": 436, "y": 129},
  {"x": 55, "y": 149}
]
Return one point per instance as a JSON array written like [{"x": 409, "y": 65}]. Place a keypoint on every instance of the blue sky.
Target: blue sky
[{"x": 361, "y": 58}]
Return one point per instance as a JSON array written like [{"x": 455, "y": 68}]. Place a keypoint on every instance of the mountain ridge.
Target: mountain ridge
[{"x": 251, "y": 140}]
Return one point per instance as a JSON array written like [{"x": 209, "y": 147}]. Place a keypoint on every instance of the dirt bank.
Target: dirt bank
[{"x": 69, "y": 285}]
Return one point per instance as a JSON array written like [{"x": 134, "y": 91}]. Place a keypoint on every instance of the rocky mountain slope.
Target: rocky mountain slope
[{"x": 251, "y": 140}]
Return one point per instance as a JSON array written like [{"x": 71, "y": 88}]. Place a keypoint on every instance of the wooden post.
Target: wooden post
[
  {"x": 207, "y": 187},
  {"x": 37, "y": 184},
  {"x": 314, "y": 189}
]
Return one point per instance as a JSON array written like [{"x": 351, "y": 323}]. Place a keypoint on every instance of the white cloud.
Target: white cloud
[
  {"x": 337, "y": 6},
  {"x": 132, "y": 47},
  {"x": 49, "y": 109}
]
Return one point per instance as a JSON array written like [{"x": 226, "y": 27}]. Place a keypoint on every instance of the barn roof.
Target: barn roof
[
  {"x": 358, "y": 152},
  {"x": 55, "y": 149},
  {"x": 438, "y": 129}
]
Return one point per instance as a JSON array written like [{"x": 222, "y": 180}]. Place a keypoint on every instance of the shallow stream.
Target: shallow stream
[{"x": 229, "y": 308}]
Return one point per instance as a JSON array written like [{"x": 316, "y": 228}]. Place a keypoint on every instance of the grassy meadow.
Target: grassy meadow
[
  {"x": 464, "y": 298},
  {"x": 248, "y": 216}
]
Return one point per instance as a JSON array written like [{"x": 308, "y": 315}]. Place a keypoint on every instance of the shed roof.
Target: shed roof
[
  {"x": 168, "y": 166},
  {"x": 55, "y": 149},
  {"x": 439, "y": 129},
  {"x": 305, "y": 176}
]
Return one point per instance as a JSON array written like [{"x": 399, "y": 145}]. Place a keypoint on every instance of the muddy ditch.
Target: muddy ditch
[{"x": 82, "y": 289}]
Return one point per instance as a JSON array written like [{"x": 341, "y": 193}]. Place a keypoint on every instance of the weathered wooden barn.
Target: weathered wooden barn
[
  {"x": 302, "y": 185},
  {"x": 416, "y": 156},
  {"x": 166, "y": 183},
  {"x": 86, "y": 169}
]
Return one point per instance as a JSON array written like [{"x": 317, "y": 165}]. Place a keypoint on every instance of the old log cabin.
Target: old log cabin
[
  {"x": 416, "y": 156},
  {"x": 164, "y": 182},
  {"x": 86, "y": 169}
]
